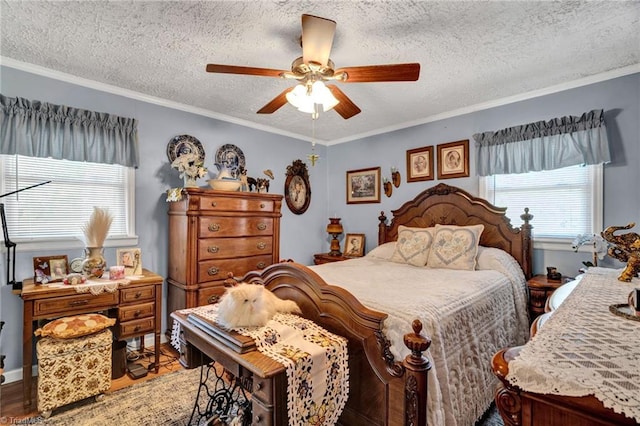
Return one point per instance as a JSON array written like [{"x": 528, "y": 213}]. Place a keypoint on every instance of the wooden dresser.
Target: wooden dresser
[{"x": 214, "y": 233}]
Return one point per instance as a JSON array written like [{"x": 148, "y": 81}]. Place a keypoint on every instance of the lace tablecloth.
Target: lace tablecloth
[{"x": 584, "y": 349}]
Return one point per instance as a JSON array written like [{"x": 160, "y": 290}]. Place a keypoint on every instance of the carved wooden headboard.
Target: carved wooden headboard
[{"x": 448, "y": 205}]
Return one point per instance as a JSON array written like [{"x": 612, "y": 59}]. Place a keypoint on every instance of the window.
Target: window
[
  {"x": 564, "y": 202},
  {"x": 51, "y": 216}
]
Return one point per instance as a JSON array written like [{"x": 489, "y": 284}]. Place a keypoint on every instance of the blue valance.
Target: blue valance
[
  {"x": 41, "y": 129},
  {"x": 544, "y": 145}
]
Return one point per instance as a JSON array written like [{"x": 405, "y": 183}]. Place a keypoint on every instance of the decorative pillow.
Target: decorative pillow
[
  {"x": 383, "y": 251},
  {"x": 75, "y": 326},
  {"x": 413, "y": 245},
  {"x": 455, "y": 247}
]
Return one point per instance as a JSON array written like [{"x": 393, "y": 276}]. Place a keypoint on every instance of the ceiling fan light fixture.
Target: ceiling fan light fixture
[{"x": 305, "y": 97}]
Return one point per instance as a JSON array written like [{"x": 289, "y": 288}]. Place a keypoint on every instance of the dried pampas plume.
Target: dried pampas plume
[{"x": 97, "y": 228}]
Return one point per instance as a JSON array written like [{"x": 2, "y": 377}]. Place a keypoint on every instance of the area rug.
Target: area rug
[{"x": 165, "y": 400}]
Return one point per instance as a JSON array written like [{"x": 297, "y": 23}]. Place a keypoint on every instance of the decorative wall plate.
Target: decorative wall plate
[
  {"x": 230, "y": 157},
  {"x": 297, "y": 190},
  {"x": 184, "y": 144}
]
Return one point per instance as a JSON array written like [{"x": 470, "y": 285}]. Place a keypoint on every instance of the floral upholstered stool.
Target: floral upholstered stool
[{"x": 73, "y": 367}]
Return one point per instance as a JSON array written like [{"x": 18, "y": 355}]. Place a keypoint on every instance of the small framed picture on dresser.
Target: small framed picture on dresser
[
  {"x": 48, "y": 269},
  {"x": 131, "y": 259},
  {"x": 354, "y": 245}
]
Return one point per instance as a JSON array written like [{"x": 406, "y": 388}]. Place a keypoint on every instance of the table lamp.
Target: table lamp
[{"x": 334, "y": 228}]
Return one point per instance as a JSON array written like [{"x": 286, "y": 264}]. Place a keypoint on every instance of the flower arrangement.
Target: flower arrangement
[
  {"x": 96, "y": 229},
  {"x": 600, "y": 246},
  {"x": 190, "y": 167}
]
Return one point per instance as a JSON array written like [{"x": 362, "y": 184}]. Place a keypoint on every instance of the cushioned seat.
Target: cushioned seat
[{"x": 72, "y": 369}]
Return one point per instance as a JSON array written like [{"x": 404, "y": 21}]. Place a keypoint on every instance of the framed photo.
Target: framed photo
[
  {"x": 131, "y": 259},
  {"x": 420, "y": 164},
  {"x": 354, "y": 245},
  {"x": 48, "y": 269},
  {"x": 363, "y": 186},
  {"x": 297, "y": 190},
  {"x": 453, "y": 159}
]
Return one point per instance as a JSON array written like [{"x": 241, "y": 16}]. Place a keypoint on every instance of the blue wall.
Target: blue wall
[{"x": 304, "y": 235}]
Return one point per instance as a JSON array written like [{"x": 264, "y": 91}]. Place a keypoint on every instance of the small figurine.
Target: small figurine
[{"x": 626, "y": 249}]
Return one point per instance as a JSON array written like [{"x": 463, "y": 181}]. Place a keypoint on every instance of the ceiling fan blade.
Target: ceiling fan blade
[
  {"x": 374, "y": 73},
  {"x": 232, "y": 69},
  {"x": 317, "y": 39},
  {"x": 346, "y": 108},
  {"x": 275, "y": 103}
]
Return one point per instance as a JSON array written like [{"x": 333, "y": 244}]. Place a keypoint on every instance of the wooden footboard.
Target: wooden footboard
[{"x": 382, "y": 391}]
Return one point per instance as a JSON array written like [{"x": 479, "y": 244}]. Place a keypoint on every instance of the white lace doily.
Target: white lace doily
[
  {"x": 584, "y": 349},
  {"x": 95, "y": 286}
]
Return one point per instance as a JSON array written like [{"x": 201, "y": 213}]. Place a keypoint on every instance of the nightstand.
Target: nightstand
[
  {"x": 539, "y": 289},
  {"x": 321, "y": 258}
]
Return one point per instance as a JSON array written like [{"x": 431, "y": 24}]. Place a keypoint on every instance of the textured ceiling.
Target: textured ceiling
[{"x": 471, "y": 53}]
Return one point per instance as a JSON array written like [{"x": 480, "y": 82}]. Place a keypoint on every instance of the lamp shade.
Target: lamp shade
[{"x": 334, "y": 226}]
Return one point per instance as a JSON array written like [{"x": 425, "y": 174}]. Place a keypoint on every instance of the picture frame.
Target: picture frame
[
  {"x": 47, "y": 269},
  {"x": 131, "y": 259},
  {"x": 453, "y": 159},
  {"x": 354, "y": 245},
  {"x": 363, "y": 186},
  {"x": 420, "y": 164},
  {"x": 297, "y": 189}
]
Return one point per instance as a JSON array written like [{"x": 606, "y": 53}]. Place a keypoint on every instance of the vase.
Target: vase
[
  {"x": 94, "y": 263},
  {"x": 190, "y": 182}
]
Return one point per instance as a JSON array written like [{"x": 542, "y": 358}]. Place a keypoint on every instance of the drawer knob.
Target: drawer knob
[
  {"x": 258, "y": 419},
  {"x": 261, "y": 265},
  {"x": 136, "y": 328},
  {"x": 214, "y": 227},
  {"x": 79, "y": 302},
  {"x": 261, "y": 245},
  {"x": 262, "y": 226},
  {"x": 138, "y": 295},
  {"x": 213, "y": 249},
  {"x": 262, "y": 205},
  {"x": 258, "y": 386},
  {"x": 137, "y": 313},
  {"x": 214, "y": 204},
  {"x": 213, "y": 270},
  {"x": 213, "y": 299}
]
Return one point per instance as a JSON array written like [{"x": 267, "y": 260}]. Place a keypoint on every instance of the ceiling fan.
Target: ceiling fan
[{"x": 314, "y": 68}]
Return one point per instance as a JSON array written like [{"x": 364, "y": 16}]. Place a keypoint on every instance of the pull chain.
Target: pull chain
[{"x": 313, "y": 157}]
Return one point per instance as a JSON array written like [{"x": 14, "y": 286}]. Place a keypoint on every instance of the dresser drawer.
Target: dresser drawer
[
  {"x": 133, "y": 312},
  {"x": 209, "y": 295},
  {"x": 211, "y": 270},
  {"x": 133, "y": 328},
  {"x": 236, "y": 204},
  {"x": 220, "y": 248},
  {"x": 213, "y": 227},
  {"x": 67, "y": 304},
  {"x": 137, "y": 294}
]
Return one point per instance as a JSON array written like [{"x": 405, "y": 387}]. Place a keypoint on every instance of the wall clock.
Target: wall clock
[{"x": 297, "y": 190}]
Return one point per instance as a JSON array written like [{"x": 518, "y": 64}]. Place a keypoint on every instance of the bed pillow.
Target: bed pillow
[
  {"x": 75, "y": 326},
  {"x": 455, "y": 247},
  {"x": 383, "y": 251},
  {"x": 413, "y": 245}
]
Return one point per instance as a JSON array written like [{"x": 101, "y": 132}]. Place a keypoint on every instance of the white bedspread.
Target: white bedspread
[{"x": 469, "y": 315}]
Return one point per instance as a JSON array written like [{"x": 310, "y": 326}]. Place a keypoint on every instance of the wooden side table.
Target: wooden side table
[
  {"x": 539, "y": 289},
  {"x": 321, "y": 258}
]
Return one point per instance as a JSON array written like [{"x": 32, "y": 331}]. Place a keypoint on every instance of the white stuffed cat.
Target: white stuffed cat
[{"x": 248, "y": 305}]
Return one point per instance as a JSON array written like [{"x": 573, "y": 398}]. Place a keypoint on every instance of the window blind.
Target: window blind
[
  {"x": 564, "y": 202},
  {"x": 58, "y": 209}
]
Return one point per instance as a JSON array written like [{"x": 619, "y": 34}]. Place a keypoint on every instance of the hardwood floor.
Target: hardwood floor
[{"x": 12, "y": 409}]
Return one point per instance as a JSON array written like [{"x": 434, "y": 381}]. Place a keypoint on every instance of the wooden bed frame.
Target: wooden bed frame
[{"x": 384, "y": 391}]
